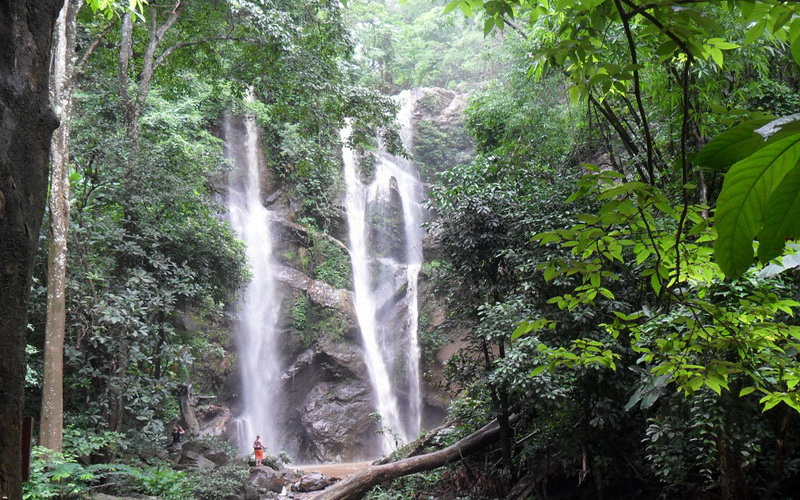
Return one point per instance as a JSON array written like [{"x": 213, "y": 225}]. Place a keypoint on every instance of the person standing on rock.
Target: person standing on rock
[
  {"x": 258, "y": 447},
  {"x": 177, "y": 432}
]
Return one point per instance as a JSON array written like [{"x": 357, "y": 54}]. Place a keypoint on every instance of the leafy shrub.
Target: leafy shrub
[
  {"x": 217, "y": 483},
  {"x": 161, "y": 481},
  {"x": 63, "y": 475},
  {"x": 59, "y": 475},
  {"x": 332, "y": 264},
  {"x": 285, "y": 457},
  {"x": 299, "y": 312},
  {"x": 407, "y": 488}
]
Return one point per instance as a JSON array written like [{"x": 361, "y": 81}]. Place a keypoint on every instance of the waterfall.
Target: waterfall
[
  {"x": 257, "y": 346},
  {"x": 387, "y": 256}
]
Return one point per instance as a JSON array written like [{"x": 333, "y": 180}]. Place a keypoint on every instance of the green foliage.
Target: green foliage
[
  {"x": 161, "y": 481},
  {"x": 109, "y": 8},
  {"x": 697, "y": 337},
  {"x": 57, "y": 476},
  {"x": 331, "y": 263},
  {"x": 33, "y": 371},
  {"x": 431, "y": 339},
  {"x": 143, "y": 254},
  {"x": 685, "y": 442},
  {"x": 591, "y": 41},
  {"x": 759, "y": 193},
  {"x": 217, "y": 483},
  {"x": 406, "y": 488},
  {"x": 622, "y": 315},
  {"x": 67, "y": 475},
  {"x": 501, "y": 121},
  {"x": 313, "y": 322},
  {"x": 300, "y": 312},
  {"x": 276, "y": 462},
  {"x": 209, "y": 442},
  {"x": 285, "y": 458}
]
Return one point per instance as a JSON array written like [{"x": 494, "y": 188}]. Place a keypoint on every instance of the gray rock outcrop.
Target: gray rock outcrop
[
  {"x": 192, "y": 459},
  {"x": 264, "y": 479},
  {"x": 315, "y": 481}
]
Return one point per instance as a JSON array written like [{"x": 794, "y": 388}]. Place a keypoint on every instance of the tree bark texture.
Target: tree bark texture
[
  {"x": 355, "y": 486},
  {"x": 61, "y": 91},
  {"x": 26, "y": 126},
  {"x": 186, "y": 399}
]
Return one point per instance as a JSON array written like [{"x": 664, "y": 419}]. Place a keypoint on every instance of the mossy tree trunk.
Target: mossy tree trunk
[{"x": 26, "y": 127}]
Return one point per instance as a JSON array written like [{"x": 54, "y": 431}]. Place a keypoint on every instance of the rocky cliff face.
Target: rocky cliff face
[{"x": 328, "y": 410}]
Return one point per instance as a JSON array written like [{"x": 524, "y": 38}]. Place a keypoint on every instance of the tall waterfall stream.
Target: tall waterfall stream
[
  {"x": 383, "y": 263},
  {"x": 257, "y": 345}
]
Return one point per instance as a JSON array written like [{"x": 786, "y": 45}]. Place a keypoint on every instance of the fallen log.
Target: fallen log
[{"x": 355, "y": 486}]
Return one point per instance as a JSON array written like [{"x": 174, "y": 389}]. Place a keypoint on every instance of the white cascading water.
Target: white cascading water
[
  {"x": 258, "y": 349},
  {"x": 411, "y": 193},
  {"x": 378, "y": 274}
]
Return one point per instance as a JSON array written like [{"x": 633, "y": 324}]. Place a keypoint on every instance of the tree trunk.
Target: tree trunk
[
  {"x": 503, "y": 419},
  {"x": 61, "y": 90},
  {"x": 358, "y": 484},
  {"x": 186, "y": 399},
  {"x": 26, "y": 126}
]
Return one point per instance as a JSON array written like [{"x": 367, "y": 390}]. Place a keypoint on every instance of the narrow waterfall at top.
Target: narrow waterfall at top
[
  {"x": 385, "y": 229},
  {"x": 256, "y": 335}
]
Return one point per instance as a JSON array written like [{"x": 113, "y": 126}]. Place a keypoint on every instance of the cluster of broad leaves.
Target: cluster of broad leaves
[{"x": 650, "y": 332}]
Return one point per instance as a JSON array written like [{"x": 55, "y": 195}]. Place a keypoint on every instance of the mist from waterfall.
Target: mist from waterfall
[
  {"x": 387, "y": 256},
  {"x": 257, "y": 346}
]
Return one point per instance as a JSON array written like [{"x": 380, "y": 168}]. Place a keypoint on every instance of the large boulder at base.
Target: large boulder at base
[
  {"x": 313, "y": 482},
  {"x": 336, "y": 419},
  {"x": 216, "y": 455},
  {"x": 219, "y": 457},
  {"x": 192, "y": 459},
  {"x": 213, "y": 419},
  {"x": 265, "y": 479}
]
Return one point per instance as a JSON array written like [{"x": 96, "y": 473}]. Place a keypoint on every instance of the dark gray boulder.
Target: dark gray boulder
[
  {"x": 264, "y": 479},
  {"x": 315, "y": 481},
  {"x": 192, "y": 459},
  {"x": 336, "y": 419}
]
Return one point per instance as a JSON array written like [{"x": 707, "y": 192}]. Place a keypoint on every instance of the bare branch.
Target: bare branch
[{"x": 90, "y": 50}]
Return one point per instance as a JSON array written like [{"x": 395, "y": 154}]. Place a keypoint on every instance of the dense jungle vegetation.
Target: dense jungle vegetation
[{"x": 620, "y": 250}]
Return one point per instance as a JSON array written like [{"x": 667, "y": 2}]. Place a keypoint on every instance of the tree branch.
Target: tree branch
[
  {"x": 90, "y": 50},
  {"x": 356, "y": 485},
  {"x": 637, "y": 90},
  {"x": 623, "y": 134}
]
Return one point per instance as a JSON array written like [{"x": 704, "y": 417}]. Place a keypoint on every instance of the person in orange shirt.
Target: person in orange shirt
[{"x": 258, "y": 447}]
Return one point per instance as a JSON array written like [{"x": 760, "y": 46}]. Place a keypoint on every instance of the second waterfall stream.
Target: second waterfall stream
[{"x": 385, "y": 217}]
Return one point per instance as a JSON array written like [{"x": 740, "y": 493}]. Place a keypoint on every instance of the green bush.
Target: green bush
[
  {"x": 161, "y": 481},
  {"x": 217, "y": 483},
  {"x": 64, "y": 475},
  {"x": 332, "y": 264},
  {"x": 300, "y": 309},
  {"x": 57, "y": 475},
  {"x": 407, "y": 488}
]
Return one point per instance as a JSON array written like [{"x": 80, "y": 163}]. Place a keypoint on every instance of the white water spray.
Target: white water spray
[
  {"x": 258, "y": 348},
  {"x": 383, "y": 262}
]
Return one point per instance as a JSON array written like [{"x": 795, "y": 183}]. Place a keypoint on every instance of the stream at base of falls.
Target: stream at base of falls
[{"x": 337, "y": 470}]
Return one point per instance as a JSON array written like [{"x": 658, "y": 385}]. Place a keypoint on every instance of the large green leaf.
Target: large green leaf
[
  {"x": 733, "y": 145},
  {"x": 782, "y": 217},
  {"x": 743, "y": 201}
]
